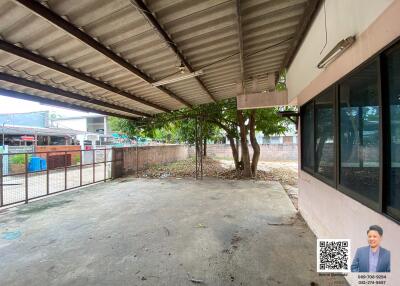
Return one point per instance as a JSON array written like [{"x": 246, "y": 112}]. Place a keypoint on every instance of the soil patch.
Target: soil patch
[{"x": 214, "y": 168}]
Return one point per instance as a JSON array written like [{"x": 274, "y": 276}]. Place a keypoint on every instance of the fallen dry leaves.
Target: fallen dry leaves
[{"x": 213, "y": 168}]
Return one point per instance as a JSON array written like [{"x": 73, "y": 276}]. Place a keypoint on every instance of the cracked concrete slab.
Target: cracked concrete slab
[{"x": 154, "y": 232}]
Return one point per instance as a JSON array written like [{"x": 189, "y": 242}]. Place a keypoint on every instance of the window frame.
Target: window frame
[
  {"x": 302, "y": 126},
  {"x": 362, "y": 199},
  {"x": 386, "y": 156},
  {"x": 313, "y": 171},
  {"x": 330, "y": 182}
]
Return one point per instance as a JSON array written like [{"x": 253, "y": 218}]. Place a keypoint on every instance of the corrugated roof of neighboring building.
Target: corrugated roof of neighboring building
[{"x": 25, "y": 130}]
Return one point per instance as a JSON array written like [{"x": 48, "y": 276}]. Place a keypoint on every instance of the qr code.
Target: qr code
[{"x": 333, "y": 255}]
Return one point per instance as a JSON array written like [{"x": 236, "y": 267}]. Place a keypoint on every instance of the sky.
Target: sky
[{"x": 13, "y": 105}]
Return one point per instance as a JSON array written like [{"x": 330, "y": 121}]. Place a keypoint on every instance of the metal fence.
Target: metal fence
[{"x": 31, "y": 175}]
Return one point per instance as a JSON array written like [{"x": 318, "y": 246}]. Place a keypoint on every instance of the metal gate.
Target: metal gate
[{"x": 31, "y": 175}]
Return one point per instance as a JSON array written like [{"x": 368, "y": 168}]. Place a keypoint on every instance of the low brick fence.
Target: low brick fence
[
  {"x": 143, "y": 157},
  {"x": 68, "y": 155},
  {"x": 269, "y": 152},
  {"x": 61, "y": 148}
]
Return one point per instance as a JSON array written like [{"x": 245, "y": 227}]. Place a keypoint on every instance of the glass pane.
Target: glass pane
[
  {"x": 359, "y": 133},
  {"x": 393, "y": 61},
  {"x": 307, "y": 136},
  {"x": 324, "y": 138}
]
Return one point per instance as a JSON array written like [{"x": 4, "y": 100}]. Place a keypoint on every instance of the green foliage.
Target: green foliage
[
  {"x": 76, "y": 159},
  {"x": 217, "y": 119},
  {"x": 269, "y": 122},
  {"x": 18, "y": 159},
  {"x": 281, "y": 84},
  {"x": 122, "y": 125}
]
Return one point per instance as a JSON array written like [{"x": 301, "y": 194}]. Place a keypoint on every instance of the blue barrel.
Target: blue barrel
[
  {"x": 34, "y": 164},
  {"x": 43, "y": 164}
]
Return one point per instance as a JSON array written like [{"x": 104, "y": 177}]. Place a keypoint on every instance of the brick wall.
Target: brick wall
[
  {"x": 152, "y": 155},
  {"x": 59, "y": 155},
  {"x": 269, "y": 152},
  {"x": 54, "y": 148}
]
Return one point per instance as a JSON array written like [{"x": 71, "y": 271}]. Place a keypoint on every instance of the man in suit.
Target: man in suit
[{"x": 372, "y": 258}]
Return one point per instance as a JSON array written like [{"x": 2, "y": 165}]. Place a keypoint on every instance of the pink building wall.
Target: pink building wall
[
  {"x": 332, "y": 214},
  {"x": 328, "y": 212}
]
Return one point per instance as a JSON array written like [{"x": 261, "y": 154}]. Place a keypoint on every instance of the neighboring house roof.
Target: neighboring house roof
[
  {"x": 25, "y": 130},
  {"x": 77, "y": 117}
]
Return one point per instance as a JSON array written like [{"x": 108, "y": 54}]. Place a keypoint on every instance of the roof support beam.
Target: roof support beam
[
  {"x": 75, "y": 32},
  {"x": 67, "y": 94},
  {"x": 240, "y": 37},
  {"x": 28, "y": 55},
  {"x": 25, "y": 96},
  {"x": 152, "y": 19},
  {"x": 309, "y": 14}
]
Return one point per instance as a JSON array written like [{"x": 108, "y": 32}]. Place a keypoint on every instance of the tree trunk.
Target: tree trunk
[
  {"x": 254, "y": 143},
  {"x": 235, "y": 153},
  {"x": 205, "y": 147},
  {"x": 319, "y": 150},
  {"x": 240, "y": 162},
  {"x": 198, "y": 152},
  {"x": 234, "y": 147},
  {"x": 243, "y": 142}
]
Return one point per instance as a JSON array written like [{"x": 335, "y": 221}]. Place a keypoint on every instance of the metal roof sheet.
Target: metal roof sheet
[
  {"x": 26, "y": 130},
  {"x": 204, "y": 32}
]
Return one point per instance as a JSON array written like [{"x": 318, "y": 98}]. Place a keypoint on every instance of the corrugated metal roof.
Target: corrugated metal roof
[
  {"x": 205, "y": 32},
  {"x": 26, "y": 130}
]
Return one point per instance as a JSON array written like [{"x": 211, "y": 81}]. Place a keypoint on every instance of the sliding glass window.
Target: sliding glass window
[
  {"x": 359, "y": 134},
  {"x": 393, "y": 80},
  {"x": 307, "y": 138},
  {"x": 324, "y": 135},
  {"x": 350, "y": 134}
]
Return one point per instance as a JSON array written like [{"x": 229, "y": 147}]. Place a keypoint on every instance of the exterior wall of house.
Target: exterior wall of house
[
  {"x": 329, "y": 212},
  {"x": 332, "y": 214},
  {"x": 344, "y": 18},
  {"x": 95, "y": 124},
  {"x": 76, "y": 124}
]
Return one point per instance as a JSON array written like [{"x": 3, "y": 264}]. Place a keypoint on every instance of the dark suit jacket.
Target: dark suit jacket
[{"x": 361, "y": 260}]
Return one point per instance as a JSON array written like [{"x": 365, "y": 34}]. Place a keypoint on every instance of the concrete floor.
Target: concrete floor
[{"x": 153, "y": 232}]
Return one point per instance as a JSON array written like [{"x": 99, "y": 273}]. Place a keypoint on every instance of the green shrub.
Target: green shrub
[
  {"x": 76, "y": 159},
  {"x": 18, "y": 159}
]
